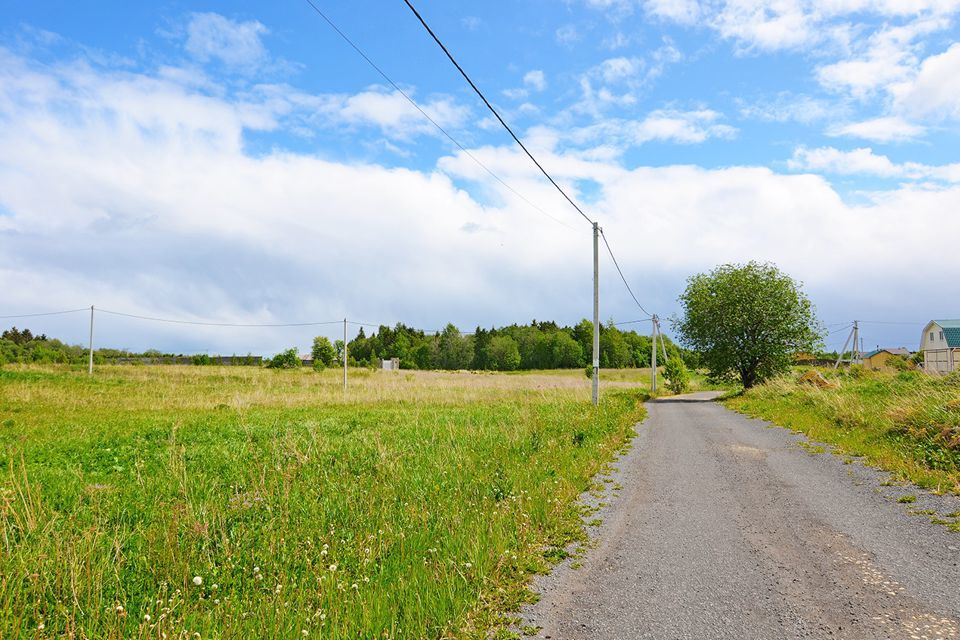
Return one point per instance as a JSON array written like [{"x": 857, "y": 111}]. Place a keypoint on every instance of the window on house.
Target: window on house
[
  {"x": 931, "y": 336},
  {"x": 941, "y": 336}
]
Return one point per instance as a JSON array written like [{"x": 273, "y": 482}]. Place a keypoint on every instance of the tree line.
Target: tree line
[{"x": 517, "y": 347}]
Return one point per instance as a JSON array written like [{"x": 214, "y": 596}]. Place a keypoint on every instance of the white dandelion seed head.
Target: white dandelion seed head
[{"x": 197, "y": 580}]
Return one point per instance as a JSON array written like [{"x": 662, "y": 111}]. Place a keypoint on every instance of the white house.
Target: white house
[{"x": 940, "y": 344}]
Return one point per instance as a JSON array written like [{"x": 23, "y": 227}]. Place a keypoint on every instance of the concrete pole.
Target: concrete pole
[
  {"x": 843, "y": 350},
  {"x": 855, "y": 352},
  {"x": 596, "y": 314},
  {"x": 345, "y": 355},
  {"x": 90, "y": 367},
  {"x": 653, "y": 354}
]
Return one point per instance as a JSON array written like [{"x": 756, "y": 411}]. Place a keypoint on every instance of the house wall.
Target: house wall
[
  {"x": 878, "y": 362},
  {"x": 939, "y": 360},
  {"x": 934, "y": 343}
]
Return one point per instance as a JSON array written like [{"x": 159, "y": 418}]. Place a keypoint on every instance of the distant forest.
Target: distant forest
[{"x": 539, "y": 345}]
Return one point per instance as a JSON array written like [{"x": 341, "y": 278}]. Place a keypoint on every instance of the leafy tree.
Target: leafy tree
[
  {"x": 288, "y": 359},
  {"x": 678, "y": 378},
  {"x": 454, "y": 351},
  {"x": 747, "y": 321},
  {"x": 503, "y": 354},
  {"x": 323, "y": 352}
]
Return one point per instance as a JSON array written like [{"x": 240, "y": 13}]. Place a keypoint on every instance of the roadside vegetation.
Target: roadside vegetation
[
  {"x": 907, "y": 422},
  {"x": 239, "y": 502}
]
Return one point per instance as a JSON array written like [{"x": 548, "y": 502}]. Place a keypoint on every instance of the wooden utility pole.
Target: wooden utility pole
[
  {"x": 344, "y": 355},
  {"x": 653, "y": 354}
]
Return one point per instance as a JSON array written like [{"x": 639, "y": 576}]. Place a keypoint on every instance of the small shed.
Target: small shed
[
  {"x": 940, "y": 343},
  {"x": 877, "y": 359},
  {"x": 393, "y": 364}
]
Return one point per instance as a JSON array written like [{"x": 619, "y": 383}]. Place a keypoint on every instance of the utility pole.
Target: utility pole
[
  {"x": 596, "y": 314},
  {"x": 653, "y": 354},
  {"x": 90, "y": 367},
  {"x": 344, "y": 355},
  {"x": 855, "y": 348},
  {"x": 663, "y": 345}
]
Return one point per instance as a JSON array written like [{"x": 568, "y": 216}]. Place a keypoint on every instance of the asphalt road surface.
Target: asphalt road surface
[{"x": 725, "y": 527}]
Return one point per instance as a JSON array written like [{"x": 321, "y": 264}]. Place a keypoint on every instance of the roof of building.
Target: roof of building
[
  {"x": 898, "y": 351},
  {"x": 951, "y": 331}
]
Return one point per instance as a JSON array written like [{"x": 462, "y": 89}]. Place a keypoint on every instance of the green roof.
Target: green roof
[{"x": 951, "y": 331}]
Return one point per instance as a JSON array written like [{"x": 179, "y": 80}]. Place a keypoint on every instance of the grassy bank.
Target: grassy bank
[
  {"x": 906, "y": 423},
  {"x": 237, "y": 503}
]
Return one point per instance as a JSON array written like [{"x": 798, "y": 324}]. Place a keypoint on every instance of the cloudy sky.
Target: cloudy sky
[{"x": 239, "y": 162}]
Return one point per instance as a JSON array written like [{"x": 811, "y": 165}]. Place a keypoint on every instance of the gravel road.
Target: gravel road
[{"x": 726, "y": 527}]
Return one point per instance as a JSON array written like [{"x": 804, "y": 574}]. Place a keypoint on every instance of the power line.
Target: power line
[
  {"x": 403, "y": 93},
  {"x": 217, "y": 324},
  {"x": 494, "y": 111},
  {"x": 627, "y": 285},
  {"x": 49, "y": 313}
]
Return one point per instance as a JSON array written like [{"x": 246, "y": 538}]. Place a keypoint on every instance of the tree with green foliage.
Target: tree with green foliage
[
  {"x": 323, "y": 353},
  {"x": 747, "y": 321},
  {"x": 677, "y": 375},
  {"x": 288, "y": 359},
  {"x": 503, "y": 354},
  {"x": 454, "y": 351}
]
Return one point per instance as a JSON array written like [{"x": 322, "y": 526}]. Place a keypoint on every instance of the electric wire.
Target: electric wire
[
  {"x": 48, "y": 313},
  {"x": 494, "y": 111},
  {"x": 516, "y": 139},
  {"x": 625, "y": 283},
  {"x": 218, "y": 324},
  {"x": 413, "y": 102}
]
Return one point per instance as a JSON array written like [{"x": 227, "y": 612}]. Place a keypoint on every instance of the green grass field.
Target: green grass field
[
  {"x": 907, "y": 423},
  {"x": 176, "y": 502}
]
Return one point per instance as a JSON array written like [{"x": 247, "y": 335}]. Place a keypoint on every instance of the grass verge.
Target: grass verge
[
  {"x": 907, "y": 423},
  {"x": 238, "y": 502}
]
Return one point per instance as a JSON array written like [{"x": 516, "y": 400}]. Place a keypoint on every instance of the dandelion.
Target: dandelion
[
  {"x": 41, "y": 627},
  {"x": 146, "y": 617},
  {"x": 354, "y": 586},
  {"x": 333, "y": 567},
  {"x": 119, "y": 608},
  {"x": 468, "y": 565},
  {"x": 304, "y": 633},
  {"x": 215, "y": 586},
  {"x": 256, "y": 569},
  {"x": 197, "y": 580}
]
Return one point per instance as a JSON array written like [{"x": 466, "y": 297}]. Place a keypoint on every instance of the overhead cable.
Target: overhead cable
[
  {"x": 625, "y": 283},
  {"x": 494, "y": 111},
  {"x": 48, "y": 313},
  {"x": 426, "y": 115},
  {"x": 219, "y": 324}
]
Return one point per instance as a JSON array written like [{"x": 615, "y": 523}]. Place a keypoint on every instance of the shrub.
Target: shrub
[
  {"x": 288, "y": 359},
  {"x": 678, "y": 377},
  {"x": 202, "y": 359}
]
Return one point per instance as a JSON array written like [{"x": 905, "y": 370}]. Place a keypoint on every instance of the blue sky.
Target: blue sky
[{"x": 239, "y": 162}]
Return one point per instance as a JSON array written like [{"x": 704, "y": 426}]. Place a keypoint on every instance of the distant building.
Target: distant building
[
  {"x": 877, "y": 360},
  {"x": 393, "y": 364},
  {"x": 940, "y": 344}
]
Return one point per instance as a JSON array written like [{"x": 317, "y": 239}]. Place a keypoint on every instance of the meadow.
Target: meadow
[
  {"x": 907, "y": 423},
  {"x": 212, "y": 502}
]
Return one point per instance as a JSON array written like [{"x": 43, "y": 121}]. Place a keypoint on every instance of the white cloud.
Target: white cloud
[
  {"x": 864, "y": 161},
  {"x": 786, "y": 107},
  {"x": 567, "y": 35},
  {"x": 883, "y": 129},
  {"x": 886, "y": 57},
  {"x": 535, "y": 79},
  {"x": 471, "y": 23},
  {"x": 935, "y": 89},
  {"x": 686, "y": 12},
  {"x": 766, "y": 25},
  {"x": 211, "y": 36},
  {"x": 662, "y": 125}
]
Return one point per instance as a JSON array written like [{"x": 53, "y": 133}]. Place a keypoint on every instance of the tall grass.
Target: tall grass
[
  {"x": 152, "y": 502},
  {"x": 907, "y": 423}
]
